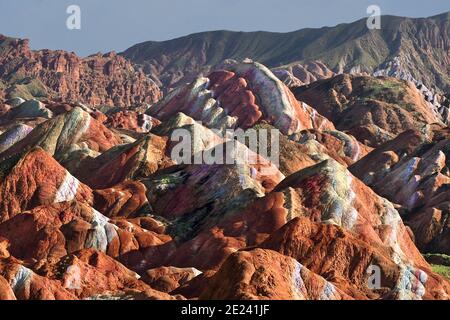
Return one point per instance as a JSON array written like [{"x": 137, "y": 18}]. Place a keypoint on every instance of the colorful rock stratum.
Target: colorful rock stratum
[{"x": 108, "y": 191}]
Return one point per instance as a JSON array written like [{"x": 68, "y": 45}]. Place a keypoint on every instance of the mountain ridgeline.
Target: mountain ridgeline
[{"x": 411, "y": 48}]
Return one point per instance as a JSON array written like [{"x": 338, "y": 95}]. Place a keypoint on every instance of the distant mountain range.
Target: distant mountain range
[{"x": 409, "y": 48}]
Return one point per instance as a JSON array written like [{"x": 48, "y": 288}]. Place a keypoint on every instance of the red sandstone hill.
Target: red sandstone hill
[
  {"x": 374, "y": 109},
  {"x": 60, "y": 75}
]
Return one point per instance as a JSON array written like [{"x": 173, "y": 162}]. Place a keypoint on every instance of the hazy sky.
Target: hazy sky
[{"x": 117, "y": 24}]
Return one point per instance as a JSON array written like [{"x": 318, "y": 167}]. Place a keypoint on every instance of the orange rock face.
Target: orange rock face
[
  {"x": 265, "y": 274},
  {"x": 141, "y": 158},
  {"x": 210, "y": 248},
  {"x": 234, "y": 94},
  {"x": 41, "y": 180},
  {"x": 122, "y": 200},
  {"x": 167, "y": 279},
  {"x": 343, "y": 259},
  {"x": 70, "y": 131},
  {"x": 131, "y": 120}
]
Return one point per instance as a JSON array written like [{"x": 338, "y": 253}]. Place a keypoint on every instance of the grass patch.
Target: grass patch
[
  {"x": 440, "y": 263},
  {"x": 442, "y": 270},
  {"x": 381, "y": 87}
]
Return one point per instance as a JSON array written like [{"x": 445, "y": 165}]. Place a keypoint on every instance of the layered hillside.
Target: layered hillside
[
  {"x": 374, "y": 109},
  {"x": 404, "y": 47},
  {"x": 58, "y": 75},
  {"x": 107, "y": 210}
]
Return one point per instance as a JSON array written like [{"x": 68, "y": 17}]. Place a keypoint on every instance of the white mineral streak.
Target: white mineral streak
[
  {"x": 391, "y": 218},
  {"x": 339, "y": 197},
  {"x": 299, "y": 289},
  {"x": 147, "y": 124},
  {"x": 68, "y": 189},
  {"x": 410, "y": 284},
  {"x": 349, "y": 216},
  {"x": 102, "y": 232},
  {"x": 358, "y": 149},
  {"x": 195, "y": 271},
  {"x": 21, "y": 278},
  {"x": 75, "y": 126},
  {"x": 297, "y": 284},
  {"x": 328, "y": 292},
  {"x": 13, "y": 135}
]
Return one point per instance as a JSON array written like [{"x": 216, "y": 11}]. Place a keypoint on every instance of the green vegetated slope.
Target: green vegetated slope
[{"x": 421, "y": 44}]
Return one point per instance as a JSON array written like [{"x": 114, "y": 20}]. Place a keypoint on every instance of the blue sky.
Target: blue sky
[{"x": 117, "y": 24}]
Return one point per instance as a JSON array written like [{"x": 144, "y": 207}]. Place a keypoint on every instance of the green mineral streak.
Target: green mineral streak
[
  {"x": 141, "y": 158},
  {"x": 72, "y": 129},
  {"x": 190, "y": 224},
  {"x": 28, "y": 89},
  {"x": 6, "y": 165},
  {"x": 50, "y": 137},
  {"x": 179, "y": 120},
  {"x": 169, "y": 181}
]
